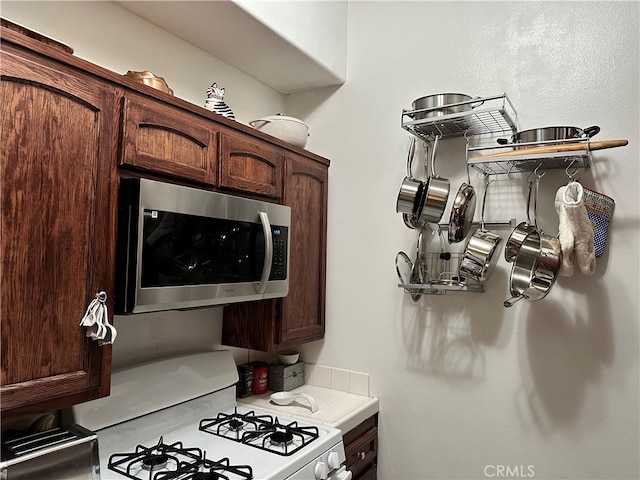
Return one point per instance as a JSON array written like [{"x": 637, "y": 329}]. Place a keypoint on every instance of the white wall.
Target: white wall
[
  {"x": 110, "y": 36},
  {"x": 463, "y": 382}
]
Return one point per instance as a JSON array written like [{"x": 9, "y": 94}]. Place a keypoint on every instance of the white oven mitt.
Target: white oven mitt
[
  {"x": 565, "y": 235},
  {"x": 580, "y": 225}
]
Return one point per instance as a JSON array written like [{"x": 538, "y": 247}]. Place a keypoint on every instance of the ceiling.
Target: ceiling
[{"x": 230, "y": 33}]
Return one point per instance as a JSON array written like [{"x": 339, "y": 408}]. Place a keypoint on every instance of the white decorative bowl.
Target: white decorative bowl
[
  {"x": 285, "y": 128},
  {"x": 288, "y": 357}
]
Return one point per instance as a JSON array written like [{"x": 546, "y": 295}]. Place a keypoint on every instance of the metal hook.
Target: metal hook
[
  {"x": 535, "y": 172},
  {"x": 531, "y": 174},
  {"x": 572, "y": 175},
  {"x": 511, "y": 167}
]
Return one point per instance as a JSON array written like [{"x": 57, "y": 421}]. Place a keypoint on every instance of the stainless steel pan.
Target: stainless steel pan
[
  {"x": 519, "y": 233},
  {"x": 443, "y": 104},
  {"x": 549, "y": 135},
  {"x": 411, "y": 191},
  {"x": 537, "y": 263},
  {"x": 480, "y": 254},
  {"x": 436, "y": 192},
  {"x": 535, "y": 268}
]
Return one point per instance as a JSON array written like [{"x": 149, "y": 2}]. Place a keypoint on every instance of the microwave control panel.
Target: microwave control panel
[{"x": 280, "y": 248}]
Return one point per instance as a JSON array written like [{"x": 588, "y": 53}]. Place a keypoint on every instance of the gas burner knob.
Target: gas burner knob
[
  {"x": 333, "y": 460},
  {"x": 320, "y": 471}
]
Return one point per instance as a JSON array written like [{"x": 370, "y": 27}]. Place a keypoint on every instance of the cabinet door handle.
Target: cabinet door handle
[
  {"x": 361, "y": 455},
  {"x": 268, "y": 252}
]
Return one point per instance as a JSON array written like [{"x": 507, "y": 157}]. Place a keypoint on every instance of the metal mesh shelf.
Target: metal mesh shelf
[
  {"x": 515, "y": 163},
  {"x": 494, "y": 115}
]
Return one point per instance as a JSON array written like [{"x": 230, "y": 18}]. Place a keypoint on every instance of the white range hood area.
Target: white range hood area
[{"x": 290, "y": 46}]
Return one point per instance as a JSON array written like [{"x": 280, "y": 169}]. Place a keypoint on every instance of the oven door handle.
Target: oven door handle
[{"x": 268, "y": 253}]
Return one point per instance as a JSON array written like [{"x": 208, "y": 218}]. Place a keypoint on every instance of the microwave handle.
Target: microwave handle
[{"x": 268, "y": 252}]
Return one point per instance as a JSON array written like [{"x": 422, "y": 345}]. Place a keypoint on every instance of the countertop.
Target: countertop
[{"x": 336, "y": 408}]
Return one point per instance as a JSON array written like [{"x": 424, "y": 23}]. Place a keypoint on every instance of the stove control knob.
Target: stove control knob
[
  {"x": 333, "y": 460},
  {"x": 320, "y": 471}
]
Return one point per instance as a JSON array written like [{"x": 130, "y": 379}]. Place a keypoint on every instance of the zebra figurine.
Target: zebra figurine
[{"x": 214, "y": 102}]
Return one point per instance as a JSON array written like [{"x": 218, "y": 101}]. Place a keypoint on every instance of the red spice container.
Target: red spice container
[{"x": 260, "y": 377}]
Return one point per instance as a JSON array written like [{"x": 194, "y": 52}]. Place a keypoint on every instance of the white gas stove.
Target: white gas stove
[{"x": 178, "y": 418}]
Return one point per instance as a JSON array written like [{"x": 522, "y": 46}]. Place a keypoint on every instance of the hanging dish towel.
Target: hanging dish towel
[
  {"x": 565, "y": 235},
  {"x": 576, "y": 231},
  {"x": 583, "y": 246},
  {"x": 600, "y": 211}
]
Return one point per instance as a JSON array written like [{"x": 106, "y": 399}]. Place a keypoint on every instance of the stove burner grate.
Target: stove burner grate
[
  {"x": 261, "y": 431},
  {"x": 233, "y": 425},
  {"x": 176, "y": 462},
  {"x": 152, "y": 459},
  {"x": 206, "y": 469}
]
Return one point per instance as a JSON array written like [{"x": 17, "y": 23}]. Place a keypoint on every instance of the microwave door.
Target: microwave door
[{"x": 193, "y": 261}]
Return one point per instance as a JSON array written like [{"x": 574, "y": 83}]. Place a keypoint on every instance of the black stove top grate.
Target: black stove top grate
[
  {"x": 234, "y": 425},
  {"x": 206, "y": 469},
  {"x": 147, "y": 460},
  {"x": 261, "y": 431},
  {"x": 175, "y": 461}
]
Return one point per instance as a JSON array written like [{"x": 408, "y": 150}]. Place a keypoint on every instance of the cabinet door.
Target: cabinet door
[
  {"x": 250, "y": 166},
  {"x": 57, "y": 228},
  {"x": 164, "y": 140},
  {"x": 361, "y": 449},
  {"x": 270, "y": 325},
  {"x": 303, "y": 308}
]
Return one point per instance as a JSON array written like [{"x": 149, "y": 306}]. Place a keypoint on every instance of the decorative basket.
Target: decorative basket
[{"x": 600, "y": 211}]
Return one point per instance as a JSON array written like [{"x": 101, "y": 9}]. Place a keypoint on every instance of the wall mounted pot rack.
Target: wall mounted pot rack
[{"x": 482, "y": 123}]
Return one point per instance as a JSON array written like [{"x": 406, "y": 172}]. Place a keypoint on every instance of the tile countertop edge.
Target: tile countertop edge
[
  {"x": 337, "y": 409},
  {"x": 355, "y": 417}
]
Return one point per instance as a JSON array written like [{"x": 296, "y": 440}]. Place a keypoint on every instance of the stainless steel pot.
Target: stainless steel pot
[
  {"x": 537, "y": 263},
  {"x": 480, "y": 253},
  {"x": 462, "y": 211},
  {"x": 519, "y": 233},
  {"x": 411, "y": 194},
  {"x": 535, "y": 268},
  {"x": 443, "y": 104},
  {"x": 436, "y": 193},
  {"x": 549, "y": 135}
]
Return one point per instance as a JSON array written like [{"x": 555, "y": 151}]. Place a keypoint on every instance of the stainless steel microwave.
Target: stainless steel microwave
[{"x": 181, "y": 247}]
